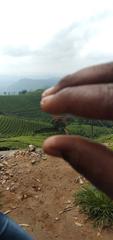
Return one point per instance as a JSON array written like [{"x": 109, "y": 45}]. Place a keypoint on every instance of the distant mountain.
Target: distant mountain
[
  {"x": 31, "y": 84},
  {"x": 5, "y": 81}
]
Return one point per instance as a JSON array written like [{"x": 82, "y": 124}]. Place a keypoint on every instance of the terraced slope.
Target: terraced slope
[
  {"x": 23, "y": 105},
  {"x": 13, "y": 126}
]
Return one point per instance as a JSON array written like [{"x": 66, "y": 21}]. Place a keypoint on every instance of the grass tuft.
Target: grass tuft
[{"x": 96, "y": 205}]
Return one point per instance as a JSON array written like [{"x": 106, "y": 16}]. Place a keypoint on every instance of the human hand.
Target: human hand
[{"x": 87, "y": 93}]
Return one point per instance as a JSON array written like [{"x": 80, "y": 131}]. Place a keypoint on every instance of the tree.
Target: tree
[
  {"x": 59, "y": 123},
  {"x": 23, "y": 92}
]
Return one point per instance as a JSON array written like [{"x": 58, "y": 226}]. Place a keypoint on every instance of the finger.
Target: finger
[
  {"x": 102, "y": 73},
  {"x": 91, "y": 101},
  {"x": 92, "y": 160}
]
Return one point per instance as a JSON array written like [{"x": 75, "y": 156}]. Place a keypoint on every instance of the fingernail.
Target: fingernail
[
  {"x": 48, "y": 91},
  {"x": 45, "y": 100}
]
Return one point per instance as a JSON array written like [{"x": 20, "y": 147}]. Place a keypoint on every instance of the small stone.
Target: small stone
[
  {"x": 7, "y": 172},
  {"x": 44, "y": 157},
  {"x": 20, "y": 197},
  {"x": 11, "y": 175},
  {"x": 57, "y": 219},
  {"x": 99, "y": 234},
  {"x": 7, "y": 189},
  {"x": 24, "y": 225},
  {"x": 12, "y": 189},
  {"x": 38, "y": 155},
  {"x": 39, "y": 189},
  {"x": 6, "y": 177},
  {"x": 13, "y": 164},
  {"x": 12, "y": 183},
  {"x": 13, "y": 207},
  {"x": 33, "y": 161},
  {"x": 24, "y": 196},
  {"x": 38, "y": 180},
  {"x": 81, "y": 181},
  {"x": 5, "y": 163},
  {"x": 68, "y": 202},
  {"x": 1, "y": 166},
  {"x": 33, "y": 154},
  {"x": 32, "y": 148},
  {"x": 37, "y": 197},
  {"x": 3, "y": 182},
  {"x": 78, "y": 224}
]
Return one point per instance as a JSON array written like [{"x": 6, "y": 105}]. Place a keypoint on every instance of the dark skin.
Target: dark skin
[{"x": 87, "y": 93}]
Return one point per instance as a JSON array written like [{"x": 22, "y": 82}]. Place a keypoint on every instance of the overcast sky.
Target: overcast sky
[{"x": 54, "y": 37}]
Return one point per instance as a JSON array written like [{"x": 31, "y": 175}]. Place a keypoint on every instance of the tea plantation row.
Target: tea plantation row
[
  {"x": 13, "y": 126},
  {"x": 23, "y": 105}
]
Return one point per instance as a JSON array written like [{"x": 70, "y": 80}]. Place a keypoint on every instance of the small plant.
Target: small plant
[{"x": 96, "y": 205}]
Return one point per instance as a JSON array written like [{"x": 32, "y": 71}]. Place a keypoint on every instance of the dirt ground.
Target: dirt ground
[{"x": 37, "y": 192}]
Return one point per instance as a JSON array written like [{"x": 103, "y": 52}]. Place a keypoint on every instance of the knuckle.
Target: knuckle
[{"x": 64, "y": 81}]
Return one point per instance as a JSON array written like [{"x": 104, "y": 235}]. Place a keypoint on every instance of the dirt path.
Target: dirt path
[{"x": 39, "y": 193}]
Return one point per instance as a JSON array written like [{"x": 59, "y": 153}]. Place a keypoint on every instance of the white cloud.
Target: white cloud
[{"x": 27, "y": 28}]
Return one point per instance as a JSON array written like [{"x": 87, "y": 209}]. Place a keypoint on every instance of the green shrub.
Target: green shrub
[
  {"x": 96, "y": 205},
  {"x": 86, "y": 130}
]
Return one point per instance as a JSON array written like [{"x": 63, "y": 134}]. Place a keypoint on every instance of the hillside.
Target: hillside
[
  {"x": 22, "y": 122},
  {"x": 12, "y": 126},
  {"x": 24, "y": 105},
  {"x": 17, "y": 133}
]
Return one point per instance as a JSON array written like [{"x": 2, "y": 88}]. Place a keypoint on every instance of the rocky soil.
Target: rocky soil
[{"x": 37, "y": 191}]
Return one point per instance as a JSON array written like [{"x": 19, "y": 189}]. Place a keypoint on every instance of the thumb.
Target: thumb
[{"x": 92, "y": 160}]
